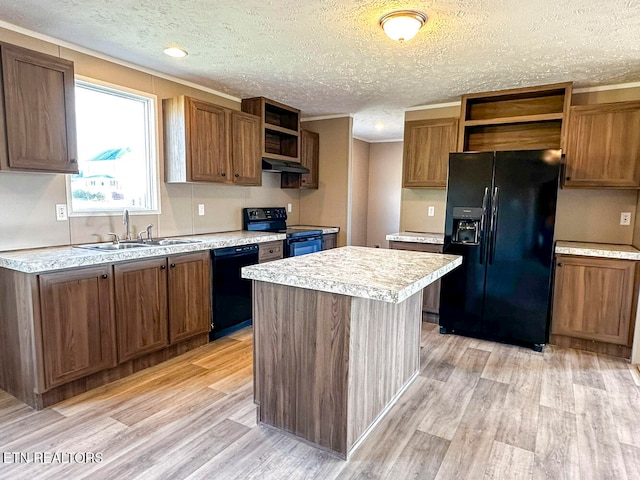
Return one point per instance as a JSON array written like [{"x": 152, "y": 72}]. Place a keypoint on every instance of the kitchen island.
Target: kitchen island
[{"x": 337, "y": 338}]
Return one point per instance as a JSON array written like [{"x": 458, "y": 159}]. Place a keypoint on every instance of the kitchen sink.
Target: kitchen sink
[
  {"x": 126, "y": 245},
  {"x": 169, "y": 241},
  {"x": 114, "y": 246}
]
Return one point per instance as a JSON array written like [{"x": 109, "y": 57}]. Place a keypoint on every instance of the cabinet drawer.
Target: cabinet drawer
[{"x": 270, "y": 251}]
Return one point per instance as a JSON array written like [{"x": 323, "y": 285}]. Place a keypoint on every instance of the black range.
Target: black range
[{"x": 299, "y": 241}]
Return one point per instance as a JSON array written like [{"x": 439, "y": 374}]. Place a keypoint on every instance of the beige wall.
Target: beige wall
[
  {"x": 328, "y": 205},
  {"x": 385, "y": 181},
  {"x": 594, "y": 215},
  {"x": 589, "y": 215},
  {"x": 30, "y": 221},
  {"x": 359, "y": 191}
]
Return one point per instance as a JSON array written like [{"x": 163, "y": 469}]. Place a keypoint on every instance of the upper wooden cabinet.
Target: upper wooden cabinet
[
  {"x": 78, "y": 330},
  {"x": 208, "y": 143},
  {"x": 280, "y": 128},
  {"x": 518, "y": 119},
  {"x": 603, "y": 148},
  {"x": 427, "y": 144},
  {"x": 593, "y": 299},
  {"x": 37, "y": 126},
  {"x": 310, "y": 158},
  {"x": 245, "y": 149}
]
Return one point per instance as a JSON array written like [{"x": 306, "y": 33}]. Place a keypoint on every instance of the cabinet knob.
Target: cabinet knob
[
  {"x": 104, "y": 275},
  {"x": 237, "y": 175},
  {"x": 567, "y": 178},
  {"x": 162, "y": 267},
  {"x": 173, "y": 265},
  {"x": 559, "y": 264},
  {"x": 223, "y": 174},
  {"x": 271, "y": 251},
  {"x": 304, "y": 181},
  {"x": 73, "y": 160}
]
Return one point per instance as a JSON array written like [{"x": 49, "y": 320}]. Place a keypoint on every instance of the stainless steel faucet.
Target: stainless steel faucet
[
  {"x": 125, "y": 220},
  {"x": 149, "y": 234}
]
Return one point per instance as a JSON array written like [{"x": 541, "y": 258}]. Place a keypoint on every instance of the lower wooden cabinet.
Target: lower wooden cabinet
[
  {"x": 189, "y": 295},
  {"x": 77, "y": 319},
  {"x": 593, "y": 299},
  {"x": 161, "y": 301},
  {"x": 270, "y": 251},
  {"x": 329, "y": 240},
  {"x": 141, "y": 307},
  {"x": 65, "y": 332},
  {"x": 431, "y": 294}
]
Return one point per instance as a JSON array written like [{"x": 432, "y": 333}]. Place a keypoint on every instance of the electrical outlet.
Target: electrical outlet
[
  {"x": 61, "y": 212},
  {"x": 289, "y": 207},
  {"x": 625, "y": 218},
  {"x": 201, "y": 209},
  {"x": 431, "y": 211}
]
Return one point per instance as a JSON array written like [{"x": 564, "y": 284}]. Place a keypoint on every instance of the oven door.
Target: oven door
[{"x": 302, "y": 246}]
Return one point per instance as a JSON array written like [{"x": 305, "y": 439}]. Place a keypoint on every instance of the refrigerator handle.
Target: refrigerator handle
[
  {"x": 493, "y": 227},
  {"x": 482, "y": 225}
]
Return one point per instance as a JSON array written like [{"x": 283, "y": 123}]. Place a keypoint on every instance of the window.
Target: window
[{"x": 116, "y": 151}]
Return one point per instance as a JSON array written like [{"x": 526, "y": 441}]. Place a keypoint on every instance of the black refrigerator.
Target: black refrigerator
[{"x": 500, "y": 217}]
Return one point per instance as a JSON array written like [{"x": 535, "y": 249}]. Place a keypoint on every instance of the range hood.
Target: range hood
[{"x": 270, "y": 165}]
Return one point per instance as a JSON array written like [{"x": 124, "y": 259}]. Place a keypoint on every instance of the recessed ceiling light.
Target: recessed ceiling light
[
  {"x": 379, "y": 126},
  {"x": 403, "y": 24},
  {"x": 176, "y": 52}
]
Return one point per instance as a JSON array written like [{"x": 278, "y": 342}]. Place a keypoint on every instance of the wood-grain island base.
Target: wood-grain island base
[{"x": 328, "y": 366}]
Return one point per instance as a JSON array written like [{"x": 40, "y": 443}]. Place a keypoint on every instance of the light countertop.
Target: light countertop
[
  {"x": 417, "y": 237},
  {"x": 373, "y": 273},
  {"x": 604, "y": 250},
  {"x": 325, "y": 230},
  {"x": 58, "y": 258}
]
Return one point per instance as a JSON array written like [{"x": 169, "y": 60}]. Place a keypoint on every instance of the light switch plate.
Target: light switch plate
[
  {"x": 201, "y": 209},
  {"x": 625, "y": 218},
  {"x": 431, "y": 211},
  {"x": 61, "y": 212},
  {"x": 289, "y": 207}
]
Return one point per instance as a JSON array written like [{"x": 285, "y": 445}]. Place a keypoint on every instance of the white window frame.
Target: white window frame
[{"x": 153, "y": 173}]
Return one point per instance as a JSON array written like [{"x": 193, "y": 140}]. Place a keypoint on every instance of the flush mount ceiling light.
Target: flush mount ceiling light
[
  {"x": 403, "y": 24},
  {"x": 176, "y": 52},
  {"x": 379, "y": 126}
]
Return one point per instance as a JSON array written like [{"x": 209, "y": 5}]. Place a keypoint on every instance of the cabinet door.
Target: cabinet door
[
  {"x": 603, "y": 147},
  {"x": 189, "y": 293},
  {"x": 309, "y": 157},
  {"x": 329, "y": 240},
  {"x": 39, "y": 108},
  {"x": 207, "y": 142},
  {"x": 78, "y": 333},
  {"x": 593, "y": 299},
  {"x": 141, "y": 307},
  {"x": 431, "y": 293},
  {"x": 245, "y": 149},
  {"x": 427, "y": 144}
]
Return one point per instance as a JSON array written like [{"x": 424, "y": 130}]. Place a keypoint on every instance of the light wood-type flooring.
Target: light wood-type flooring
[{"x": 478, "y": 410}]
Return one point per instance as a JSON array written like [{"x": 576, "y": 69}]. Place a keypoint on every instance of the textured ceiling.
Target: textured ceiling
[{"x": 330, "y": 57}]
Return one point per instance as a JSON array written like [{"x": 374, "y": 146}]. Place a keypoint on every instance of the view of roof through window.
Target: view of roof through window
[{"x": 116, "y": 170}]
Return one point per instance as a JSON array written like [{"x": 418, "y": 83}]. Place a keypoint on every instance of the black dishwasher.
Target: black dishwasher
[{"x": 231, "y": 294}]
